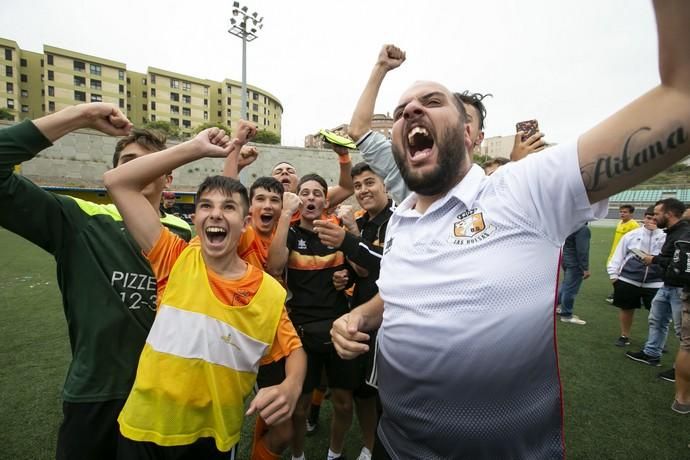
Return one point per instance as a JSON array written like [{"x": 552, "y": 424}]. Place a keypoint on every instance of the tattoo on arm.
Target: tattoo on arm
[{"x": 596, "y": 174}]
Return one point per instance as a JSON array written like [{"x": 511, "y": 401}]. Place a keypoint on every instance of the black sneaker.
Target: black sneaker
[
  {"x": 642, "y": 357},
  {"x": 669, "y": 375},
  {"x": 622, "y": 341}
]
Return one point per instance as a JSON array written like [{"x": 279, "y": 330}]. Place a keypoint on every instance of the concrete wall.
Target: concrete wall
[{"x": 80, "y": 158}]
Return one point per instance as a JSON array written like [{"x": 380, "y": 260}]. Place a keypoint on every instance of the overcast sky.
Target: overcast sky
[{"x": 567, "y": 63}]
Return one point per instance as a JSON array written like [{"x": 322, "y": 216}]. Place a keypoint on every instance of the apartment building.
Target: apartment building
[{"x": 33, "y": 84}]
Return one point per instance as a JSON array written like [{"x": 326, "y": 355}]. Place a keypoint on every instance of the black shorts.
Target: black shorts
[
  {"x": 143, "y": 450},
  {"x": 271, "y": 374},
  {"x": 341, "y": 373},
  {"x": 367, "y": 369},
  {"x": 89, "y": 430},
  {"x": 629, "y": 297}
]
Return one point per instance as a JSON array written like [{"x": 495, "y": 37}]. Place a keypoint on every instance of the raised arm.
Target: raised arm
[
  {"x": 126, "y": 182},
  {"x": 390, "y": 57},
  {"x": 651, "y": 133},
  {"x": 341, "y": 192},
  {"x": 100, "y": 116},
  {"x": 278, "y": 251}
]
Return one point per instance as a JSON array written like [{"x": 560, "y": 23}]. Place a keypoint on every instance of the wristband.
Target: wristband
[{"x": 344, "y": 159}]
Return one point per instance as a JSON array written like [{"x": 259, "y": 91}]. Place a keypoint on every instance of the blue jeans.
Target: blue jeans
[
  {"x": 572, "y": 280},
  {"x": 666, "y": 306}
]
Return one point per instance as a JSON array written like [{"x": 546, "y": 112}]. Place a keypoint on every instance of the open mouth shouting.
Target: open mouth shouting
[
  {"x": 420, "y": 144},
  {"x": 215, "y": 235}
]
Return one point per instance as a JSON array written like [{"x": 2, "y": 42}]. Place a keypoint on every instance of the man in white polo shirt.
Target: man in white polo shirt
[{"x": 467, "y": 359}]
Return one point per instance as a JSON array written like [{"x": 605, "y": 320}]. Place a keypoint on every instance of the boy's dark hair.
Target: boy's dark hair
[
  {"x": 475, "y": 100},
  {"x": 359, "y": 168},
  {"x": 267, "y": 183},
  {"x": 314, "y": 177},
  {"x": 630, "y": 208},
  {"x": 649, "y": 211},
  {"x": 151, "y": 139},
  {"x": 672, "y": 205},
  {"x": 226, "y": 186}
]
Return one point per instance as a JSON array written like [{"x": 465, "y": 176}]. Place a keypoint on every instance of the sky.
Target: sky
[{"x": 567, "y": 63}]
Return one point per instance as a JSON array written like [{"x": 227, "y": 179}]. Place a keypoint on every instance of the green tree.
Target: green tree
[
  {"x": 164, "y": 126},
  {"x": 204, "y": 126},
  {"x": 264, "y": 136},
  {"x": 5, "y": 114}
]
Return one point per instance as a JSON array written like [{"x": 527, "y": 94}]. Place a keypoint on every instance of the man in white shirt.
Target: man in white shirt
[{"x": 467, "y": 358}]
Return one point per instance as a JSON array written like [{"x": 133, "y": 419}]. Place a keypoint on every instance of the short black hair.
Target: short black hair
[
  {"x": 672, "y": 205},
  {"x": 475, "y": 100},
  {"x": 649, "y": 211},
  {"x": 151, "y": 139},
  {"x": 361, "y": 167},
  {"x": 270, "y": 184},
  {"x": 629, "y": 207},
  {"x": 227, "y": 186},
  {"x": 314, "y": 177}
]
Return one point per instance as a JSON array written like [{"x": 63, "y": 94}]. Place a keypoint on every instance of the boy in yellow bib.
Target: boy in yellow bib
[{"x": 217, "y": 317}]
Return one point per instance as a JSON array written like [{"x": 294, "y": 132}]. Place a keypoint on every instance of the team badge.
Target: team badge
[
  {"x": 471, "y": 227},
  {"x": 301, "y": 244}
]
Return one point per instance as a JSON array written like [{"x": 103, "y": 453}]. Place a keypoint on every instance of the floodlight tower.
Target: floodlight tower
[{"x": 246, "y": 27}]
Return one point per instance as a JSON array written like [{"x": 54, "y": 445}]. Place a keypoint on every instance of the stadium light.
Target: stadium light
[{"x": 240, "y": 30}]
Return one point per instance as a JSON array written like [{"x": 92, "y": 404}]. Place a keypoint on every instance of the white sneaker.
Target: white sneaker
[
  {"x": 364, "y": 454},
  {"x": 574, "y": 320}
]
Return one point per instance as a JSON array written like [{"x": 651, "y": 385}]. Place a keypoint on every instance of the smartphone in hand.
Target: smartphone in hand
[{"x": 528, "y": 127}]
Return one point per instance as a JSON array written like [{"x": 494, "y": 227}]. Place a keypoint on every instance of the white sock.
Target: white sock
[
  {"x": 332, "y": 455},
  {"x": 301, "y": 457},
  {"x": 365, "y": 451}
]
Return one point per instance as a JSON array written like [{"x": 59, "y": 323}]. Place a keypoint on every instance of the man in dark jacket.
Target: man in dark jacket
[
  {"x": 666, "y": 304},
  {"x": 575, "y": 263}
]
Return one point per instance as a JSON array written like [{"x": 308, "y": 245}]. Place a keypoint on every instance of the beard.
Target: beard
[{"x": 450, "y": 163}]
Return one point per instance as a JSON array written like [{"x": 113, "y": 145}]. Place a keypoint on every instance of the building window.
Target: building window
[
  {"x": 174, "y": 97},
  {"x": 174, "y": 109},
  {"x": 255, "y": 96},
  {"x": 153, "y": 92},
  {"x": 153, "y": 118},
  {"x": 51, "y": 75},
  {"x": 96, "y": 84},
  {"x": 143, "y": 81},
  {"x": 122, "y": 103},
  {"x": 79, "y": 81},
  {"x": 10, "y": 103},
  {"x": 129, "y": 81},
  {"x": 144, "y": 107},
  {"x": 186, "y": 112},
  {"x": 220, "y": 114},
  {"x": 187, "y": 99},
  {"x": 51, "y": 91},
  {"x": 175, "y": 122},
  {"x": 120, "y": 89},
  {"x": 229, "y": 113},
  {"x": 255, "y": 107},
  {"x": 129, "y": 94},
  {"x": 144, "y": 94},
  {"x": 80, "y": 96},
  {"x": 79, "y": 66},
  {"x": 10, "y": 87},
  {"x": 129, "y": 107},
  {"x": 255, "y": 118},
  {"x": 8, "y": 54},
  {"x": 229, "y": 101},
  {"x": 205, "y": 115},
  {"x": 186, "y": 86},
  {"x": 95, "y": 69},
  {"x": 24, "y": 93},
  {"x": 174, "y": 83},
  {"x": 205, "y": 90},
  {"x": 51, "y": 106},
  {"x": 205, "y": 102},
  {"x": 153, "y": 79},
  {"x": 24, "y": 78},
  {"x": 153, "y": 105},
  {"x": 265, "y": 100},
  {"x": 22, "y": 62},
  {"x": 220, "y": 91},
  {"x": 25, "y": 108},
  {"x": 120, "y": 74},
  {"x": 96, "y": 98},
  {"x": 186, "y": 124},
  {"x": 8, "y": 71},
  {"x": 50, "y": 59}
]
